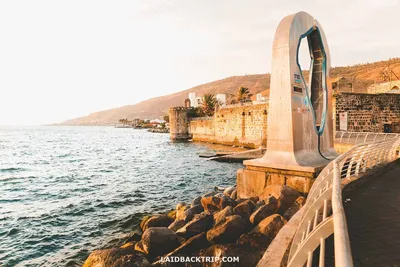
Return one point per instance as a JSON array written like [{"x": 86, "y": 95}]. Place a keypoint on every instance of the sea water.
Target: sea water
[{"x": 65, "y": 191}]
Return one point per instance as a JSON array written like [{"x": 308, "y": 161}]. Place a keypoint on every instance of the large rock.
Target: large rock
[
  {"x": 246, "y": 255},
  {"x": 191, "y": 245},
  {"x": 215, "y": 203},
  {"x": 284, "y": 195},
  {"x": 228, "y": 230},
  {"x": 210, "y": 194},
  {"x": 228, "y": 191},
  {"x": 158, "y": 241},
  {"x": 189, "y": 213},
  {"x": 234, "y": 194},
  {"x": 270, "y": 226},
  {"x": 143, "y": 221},
  {"x": 222, "y": 214},
  {"x": 180, "y": 211},
  {"x": 130, "y": 244},
  {"x": 196, "y": 201},
  {"x": 244, "y": 209},
  {"x": 133, "y": 237},
  {"x": 270, "y": 207},
  {"x": 255, "y": 239},
  {"x": 176, "y": 225},
  {"x": 116, "y": 257},
  {"x": 200, "y": 223},
  {"x": 157, "y": 221},
  {"x": 300, "y": 201}
]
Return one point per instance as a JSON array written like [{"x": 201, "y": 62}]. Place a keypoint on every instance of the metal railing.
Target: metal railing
[
  {"x": 324, "y": 213},
  {"x": 362, "y": 137}
]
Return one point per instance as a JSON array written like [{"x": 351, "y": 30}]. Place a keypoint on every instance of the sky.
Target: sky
[{"x": 65, "y": 59}]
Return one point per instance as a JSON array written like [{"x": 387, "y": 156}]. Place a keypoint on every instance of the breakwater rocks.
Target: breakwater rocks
[
  {"x": 158, "y": 130},
  {"x": 217, "y": 224}
]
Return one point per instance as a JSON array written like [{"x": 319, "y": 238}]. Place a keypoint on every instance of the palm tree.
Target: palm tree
[
  {"x": 208, "y": 104},
  {"x": 244, "y": 94}
]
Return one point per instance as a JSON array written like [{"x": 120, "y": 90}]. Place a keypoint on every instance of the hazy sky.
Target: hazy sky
[{"x": 64, "y": 59}]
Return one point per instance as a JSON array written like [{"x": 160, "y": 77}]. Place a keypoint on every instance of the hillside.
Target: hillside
[{"x": 362, "y": 75}]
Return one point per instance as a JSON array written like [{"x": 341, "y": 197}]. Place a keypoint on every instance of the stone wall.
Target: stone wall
[
  {"x": 246, "y": 125},
  {"x": 368, "y": 112},
  {"x": 240, "y": 125}
]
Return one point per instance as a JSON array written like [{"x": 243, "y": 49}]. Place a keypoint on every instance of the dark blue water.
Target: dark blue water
[{"x": 65, "y": 191}]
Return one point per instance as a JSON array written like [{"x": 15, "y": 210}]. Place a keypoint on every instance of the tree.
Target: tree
[
  {"x": 208, "y": 104},
  {"x": 123, "y": 121},
  {"x": 166, "y": 118},
  {"x": 244, "y": 94}
]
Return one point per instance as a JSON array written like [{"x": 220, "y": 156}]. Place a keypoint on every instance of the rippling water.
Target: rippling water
[{"x": 65, "y": 191}]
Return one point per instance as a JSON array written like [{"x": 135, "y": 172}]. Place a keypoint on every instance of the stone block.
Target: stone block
[
  {"x": 250, "y": 183},
  {"x": 300, "y": 184}
]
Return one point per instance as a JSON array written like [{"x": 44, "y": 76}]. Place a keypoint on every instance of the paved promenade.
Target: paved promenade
[{"x": 373, "y": 217}]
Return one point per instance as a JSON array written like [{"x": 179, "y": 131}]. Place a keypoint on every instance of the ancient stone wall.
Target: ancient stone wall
[
  {"x": 179, "y": 123},
  {"x": 235, "y": 125},
  {"x": 368, "y": 112},
  {"x": 202, "y": 129},
  {"x": 246, "y": 125}
]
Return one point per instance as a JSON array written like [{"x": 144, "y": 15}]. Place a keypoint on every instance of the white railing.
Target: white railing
[
  {"x": 324, "y": 213},
  {"x": 362, "y": 137}
]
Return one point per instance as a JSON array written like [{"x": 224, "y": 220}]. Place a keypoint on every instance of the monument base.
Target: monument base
[{"x": 252, "y": 180}]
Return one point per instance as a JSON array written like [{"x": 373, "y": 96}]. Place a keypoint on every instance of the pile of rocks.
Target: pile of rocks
[{"x": 217, "y": 224}]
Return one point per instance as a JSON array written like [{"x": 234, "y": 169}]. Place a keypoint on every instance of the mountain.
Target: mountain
[
  {"x": 158, "y": 107},
  {"x": 361, "y": 75}
]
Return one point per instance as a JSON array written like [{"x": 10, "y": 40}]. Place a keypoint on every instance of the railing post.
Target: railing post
[
  {"x": 355, "y": 142},
  {"x": 341, "y": 137},
  {"x": 365, "y": 139},
  {"x": 348, "y": 139},
  {"x": 343, "y": 257}
]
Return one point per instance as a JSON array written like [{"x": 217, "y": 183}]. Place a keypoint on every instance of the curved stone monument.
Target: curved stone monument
[{"x": 300, "y": 125}]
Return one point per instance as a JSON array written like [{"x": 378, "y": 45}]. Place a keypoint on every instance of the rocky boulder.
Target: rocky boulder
[
  {"x": 215, "y": 203},
  {"x": 196, "y": 201},
  {"x": 200, "y": 223},
  {"x": 227, "y": 230},
  {"x": 191, "y": 245},
  {"x": 270, "y": 226},
  {"x": 244, "y": 209},
  {"x": 222, "y": 214},
  {"x": 270, "y": 207},
  {"x": 158, "y": 241},
  {"x": 116, "y": 257},
  {"x": 210, "y": 194},
  {"x": 255, "y": 239},
  {"x": 234, "y": 194},
  {"x": 176, "y": 225},
  {"x": 300, "y": 201},
  {"x": 143, "y": 221},
  {"x": 284, "y": 195},
  {"x": 157, "y": 221},
  {"x": 189, "y": 213},
  {"x": 180, "y": 211},
  {"x": 133, "y": 237},
  {"x": 228, "y": 191},
  {"x": 247, "y": 255}
]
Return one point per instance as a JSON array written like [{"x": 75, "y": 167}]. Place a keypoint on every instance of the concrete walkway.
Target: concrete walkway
[{"x": 373, "y": 218}]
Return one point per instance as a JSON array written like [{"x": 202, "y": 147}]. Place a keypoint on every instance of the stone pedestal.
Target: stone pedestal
[{"x": 252, "y": 180}]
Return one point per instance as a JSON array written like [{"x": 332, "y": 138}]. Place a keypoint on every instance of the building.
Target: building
[
  {"x": 392, "y": 87},
  {"x": 196, "y": 101},
  {"x": 341, "y": 84}
]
